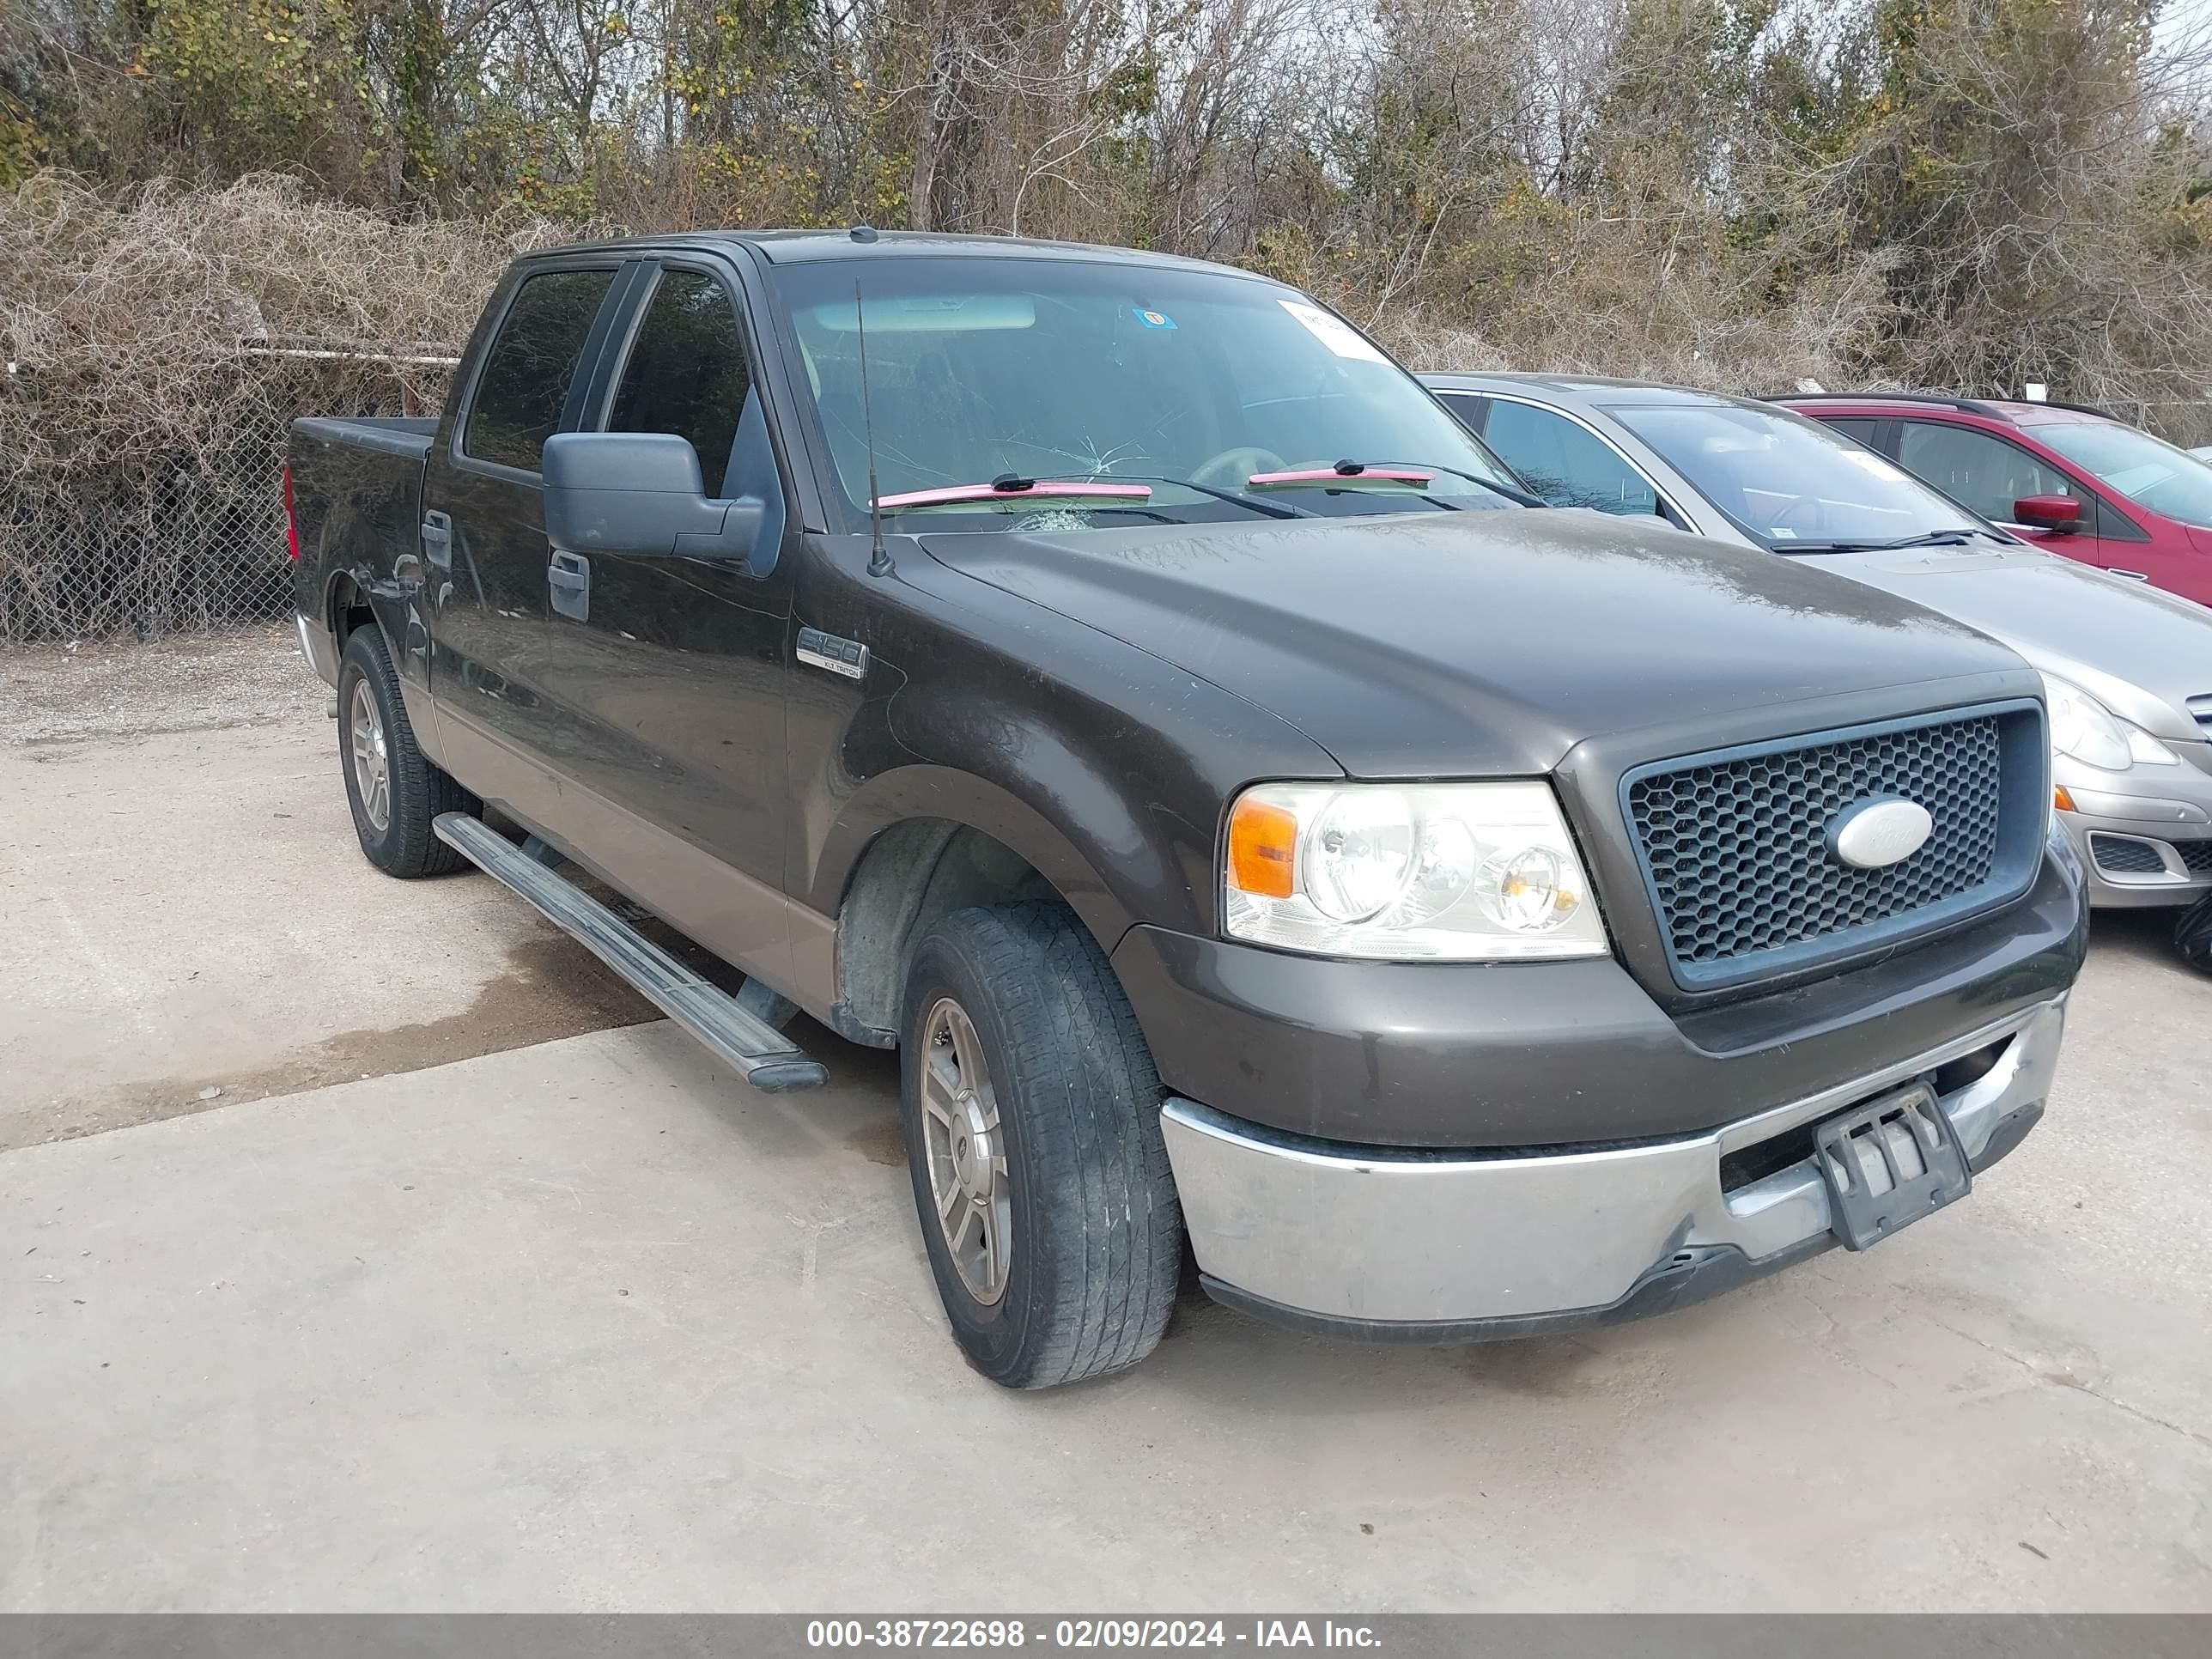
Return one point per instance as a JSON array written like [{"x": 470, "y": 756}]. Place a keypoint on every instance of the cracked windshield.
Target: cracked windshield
[{"x": 1045, "y": 395}]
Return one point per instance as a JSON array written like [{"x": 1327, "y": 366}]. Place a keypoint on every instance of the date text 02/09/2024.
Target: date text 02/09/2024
[{"x": 1085, "y": 1633}]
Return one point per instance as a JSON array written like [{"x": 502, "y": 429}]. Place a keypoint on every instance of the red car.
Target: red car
[{"x": 2074, "y": 480}]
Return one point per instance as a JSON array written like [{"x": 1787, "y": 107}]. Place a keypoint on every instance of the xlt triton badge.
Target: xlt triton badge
[{"x": 846, "y": 657}]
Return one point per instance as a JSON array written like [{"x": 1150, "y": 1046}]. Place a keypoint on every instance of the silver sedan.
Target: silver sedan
[{"x": 2129, "y": 668}]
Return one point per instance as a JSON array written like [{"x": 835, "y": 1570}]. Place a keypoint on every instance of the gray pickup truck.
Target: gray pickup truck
[{"x": 1114, "y": 683}]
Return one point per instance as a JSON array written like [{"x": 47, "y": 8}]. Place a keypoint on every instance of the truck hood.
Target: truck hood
[
  {"x": 1477, "y": 642},
  {"x": 2142, "y": 652}
]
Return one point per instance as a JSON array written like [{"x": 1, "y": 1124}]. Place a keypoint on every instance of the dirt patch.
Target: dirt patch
[
  {"x": 880, "y": 1142},
  {"x": 553, "y": 988},
  {"x": 62, "y": 694}
]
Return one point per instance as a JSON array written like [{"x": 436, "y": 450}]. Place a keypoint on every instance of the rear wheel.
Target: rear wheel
[
  {"x": 393, "y": 788},
  {"x": 1032, "y": 1110}
]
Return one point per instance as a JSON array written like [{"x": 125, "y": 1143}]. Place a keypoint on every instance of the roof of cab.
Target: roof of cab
[{"x": 791, "y": 247}]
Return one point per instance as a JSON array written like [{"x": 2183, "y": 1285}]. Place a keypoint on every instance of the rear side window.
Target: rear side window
[
  {"x": 1563, "y": 464},
  {"x": 687, "y": 372},
  {"x": 531, "y": 360}
]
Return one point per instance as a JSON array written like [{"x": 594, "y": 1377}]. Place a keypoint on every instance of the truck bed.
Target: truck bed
[
  {"x": 357, "y": 487},
  {"x": 395, "y": 434}
]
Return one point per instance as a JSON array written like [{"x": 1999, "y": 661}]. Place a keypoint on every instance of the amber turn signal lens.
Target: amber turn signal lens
[
  {"x": 2061, "y": 799},
  {"x": 1262, "y": 848}
]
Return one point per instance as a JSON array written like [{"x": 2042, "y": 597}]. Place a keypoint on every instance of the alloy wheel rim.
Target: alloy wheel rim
[
  {"x": 966, "y": 1152},
  {"x": 372, "y": 765}
]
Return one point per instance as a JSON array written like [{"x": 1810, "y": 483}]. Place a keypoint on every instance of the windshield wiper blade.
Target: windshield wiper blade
[
  {"x": 1418, "y": 474},
  {"x": 1272, "y": 510},
  {"x": 1008, "y": 487},
  {"x": 1955, "y": 537}
]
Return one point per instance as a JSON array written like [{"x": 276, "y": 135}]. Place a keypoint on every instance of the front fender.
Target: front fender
[
  {"x": 944, "y": 793},
  {"x": 1102, "y": 767}
]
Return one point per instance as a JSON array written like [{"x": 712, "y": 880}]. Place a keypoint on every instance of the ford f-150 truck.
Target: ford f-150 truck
[{"x": 1116, "y": 684}]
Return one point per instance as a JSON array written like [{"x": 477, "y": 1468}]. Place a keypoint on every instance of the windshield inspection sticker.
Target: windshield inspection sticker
[
  {"x": 1152, "y": 318},
  {"x": 1333, "y": 332}
]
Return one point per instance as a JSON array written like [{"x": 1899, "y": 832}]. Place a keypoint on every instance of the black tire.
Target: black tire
[
  {"x": 1095, "y": 1231},
  {"x": 2192, "y": 934},
  {"x": 417, "y": 791}
]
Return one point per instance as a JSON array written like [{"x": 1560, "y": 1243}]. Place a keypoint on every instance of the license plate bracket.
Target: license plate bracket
[{"x": 1888, "y": 1163}]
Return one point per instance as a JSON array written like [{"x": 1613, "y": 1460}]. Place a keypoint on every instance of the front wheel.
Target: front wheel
[{"x": 1032, "y": 1111}]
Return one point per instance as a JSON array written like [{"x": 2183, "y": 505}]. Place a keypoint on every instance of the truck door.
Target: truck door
[
  {"x": 667, "y": 675},
  {"x": 483, "y": 532}
]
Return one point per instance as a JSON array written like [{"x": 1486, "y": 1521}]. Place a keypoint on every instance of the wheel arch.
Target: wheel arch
[
  {"x": 346, "y": 607},
  {"x": 927, "y": 841}
]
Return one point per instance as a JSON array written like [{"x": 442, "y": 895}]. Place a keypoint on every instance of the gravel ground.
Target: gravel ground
[{"x": 52, "y": 694}]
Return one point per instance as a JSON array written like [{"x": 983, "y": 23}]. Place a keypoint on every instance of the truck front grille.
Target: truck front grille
[{"x": 1736, "y": 845}]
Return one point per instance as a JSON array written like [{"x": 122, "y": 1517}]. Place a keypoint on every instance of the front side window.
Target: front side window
[
  {"x": 1791, "y": 482},
  {"x": 687, "y": 372},
  {"x": 1565, "y": 463},
  {"x": 532, "y": 359},
  {"x": 1173, "y": 388},
  {"x": 1971, "y": 467},
  {"x": 2146, "y": 470}
]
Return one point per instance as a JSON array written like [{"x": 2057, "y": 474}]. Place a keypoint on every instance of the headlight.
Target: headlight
[
  {"x": 2084, "y": 728},
  {"x": 1459, "y": 871}
]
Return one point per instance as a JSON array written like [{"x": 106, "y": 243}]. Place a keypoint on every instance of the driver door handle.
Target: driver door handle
[
  {"x": 569, "y": 577},
  {"x": 438, "y": 540}
]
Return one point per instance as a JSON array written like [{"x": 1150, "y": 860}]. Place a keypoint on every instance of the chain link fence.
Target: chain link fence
[
  {"x": 189, "y": 542},
  {"x": 192, "y": 555},
  {"x": 155, "y": 346}
]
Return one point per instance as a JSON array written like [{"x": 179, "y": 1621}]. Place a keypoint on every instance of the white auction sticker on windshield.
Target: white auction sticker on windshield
[{"x": 1333, "y": 332}]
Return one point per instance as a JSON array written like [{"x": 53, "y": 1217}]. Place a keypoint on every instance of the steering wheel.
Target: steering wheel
[{"x": 1232, "y": 468}]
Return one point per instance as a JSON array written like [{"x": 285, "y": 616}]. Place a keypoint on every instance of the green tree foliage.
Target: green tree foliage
[{"x": 1959, "y": 192}]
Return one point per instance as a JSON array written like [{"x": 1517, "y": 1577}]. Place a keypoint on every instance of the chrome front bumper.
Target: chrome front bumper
[{"x": 1392, "y": 1242}]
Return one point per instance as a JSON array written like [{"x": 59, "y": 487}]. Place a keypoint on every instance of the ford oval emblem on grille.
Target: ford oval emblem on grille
[{"x": 1873, "y": 834}]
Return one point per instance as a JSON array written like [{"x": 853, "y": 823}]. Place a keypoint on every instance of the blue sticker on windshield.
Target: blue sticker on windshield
[{"x": 1152, "y": 318}]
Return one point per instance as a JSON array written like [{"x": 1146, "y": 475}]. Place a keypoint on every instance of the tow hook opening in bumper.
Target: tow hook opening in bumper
[{"x": 1392, "y": 1244}]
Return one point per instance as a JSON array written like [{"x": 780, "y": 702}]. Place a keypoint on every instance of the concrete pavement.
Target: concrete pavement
[
  {"x": 184, "y": 918},
  {"x": 590, "y": 1325}
]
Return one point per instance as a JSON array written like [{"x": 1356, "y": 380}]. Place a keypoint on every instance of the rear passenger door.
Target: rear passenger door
[
  {"x": 485, "y": 550},
  {"x": 668, "y": 674}
]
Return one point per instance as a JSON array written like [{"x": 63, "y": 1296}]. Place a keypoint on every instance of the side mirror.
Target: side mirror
[
  {"x": 2059, "y": 513},
  {"x": 639, "y": 494}
]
